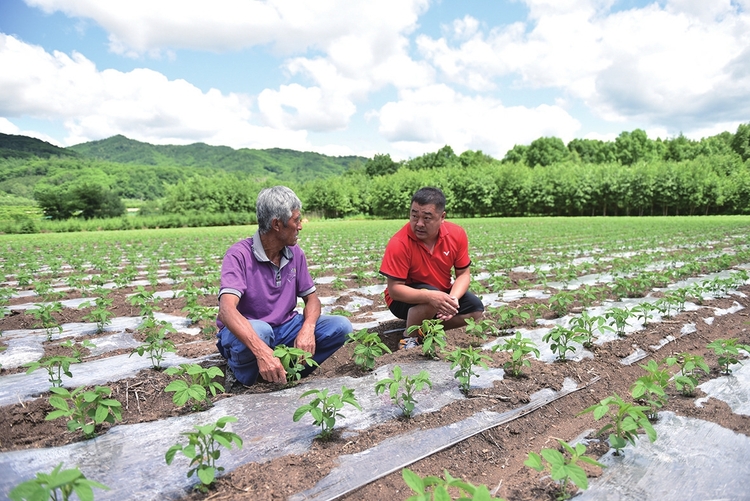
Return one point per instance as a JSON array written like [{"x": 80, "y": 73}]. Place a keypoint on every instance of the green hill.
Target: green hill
[
  {"x": 282, "y": 164},
  {"x": 13, "y": 146}
]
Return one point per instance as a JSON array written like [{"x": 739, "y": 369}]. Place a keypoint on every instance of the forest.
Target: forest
[{"x": 198, "y": 184}]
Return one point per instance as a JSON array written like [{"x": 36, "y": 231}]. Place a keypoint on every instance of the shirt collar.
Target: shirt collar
[{"x": 260, "y": 253}]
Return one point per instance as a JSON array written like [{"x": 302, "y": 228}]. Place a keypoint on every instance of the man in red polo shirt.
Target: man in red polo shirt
[{"x": 418, "y": 264}]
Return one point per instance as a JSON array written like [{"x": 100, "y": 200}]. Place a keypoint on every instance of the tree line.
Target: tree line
[{"x": 632, "y": 175}]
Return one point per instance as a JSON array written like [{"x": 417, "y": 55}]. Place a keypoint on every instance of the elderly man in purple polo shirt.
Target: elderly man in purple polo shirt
[{"x": 261, "y": 279}]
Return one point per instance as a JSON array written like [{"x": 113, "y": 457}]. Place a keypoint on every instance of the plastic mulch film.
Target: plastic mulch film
[
  {"x": 690, "y": 459},
  {"x": 130, "y": 458},
  {"x": 398, "y": 452}
]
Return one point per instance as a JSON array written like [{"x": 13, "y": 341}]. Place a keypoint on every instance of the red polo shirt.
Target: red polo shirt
[{"x": 407, "y": 258}]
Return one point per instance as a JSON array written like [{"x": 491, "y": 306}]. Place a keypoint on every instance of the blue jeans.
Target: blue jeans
[{"x": 330, "y": 335}]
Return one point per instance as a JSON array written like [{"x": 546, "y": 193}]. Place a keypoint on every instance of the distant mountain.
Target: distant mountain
[
  {"x": 13, "y": 146},
  {"x": 282, "y": 164}
]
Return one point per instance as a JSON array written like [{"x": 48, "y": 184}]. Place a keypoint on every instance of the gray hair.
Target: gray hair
[{"x": 277, "y": 202}]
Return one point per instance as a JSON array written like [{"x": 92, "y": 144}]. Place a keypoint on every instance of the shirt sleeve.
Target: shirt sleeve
[
  {"x": 462, "y": 249},
  {"x": 233, "y": 274},
  {"x": 396, "y": 260}
]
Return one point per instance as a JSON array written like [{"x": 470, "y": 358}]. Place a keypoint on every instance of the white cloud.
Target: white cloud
[
  {"x": 314, "y": 109},
  {"x": 427, "y": 119},
  {"x": 684, "y": 65},
  {"x": 142, "y": 104},
  {"x": 144, "y": 26}
]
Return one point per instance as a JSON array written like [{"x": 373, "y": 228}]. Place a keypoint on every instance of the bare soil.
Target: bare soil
[{"x": 493, "y": 458}]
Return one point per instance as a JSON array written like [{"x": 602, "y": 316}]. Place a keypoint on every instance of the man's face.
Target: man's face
[
  {"x": 425, "y": 221},
  {"x": 291, "y": 229}
]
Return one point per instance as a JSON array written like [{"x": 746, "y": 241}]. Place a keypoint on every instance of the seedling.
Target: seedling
[
  {"x": 643, "y": 312},
  {"x": 650, "y": 388},
  {"x": 145, "y": 300},
  {"x": 626, "y": 420},
  {"x": 55, "y": 366},
  {"x": 43, "y": 314},
  {"x": 619, "y": 317},
  {"x": 74, "y": 347},
  {"x": 519, "y": 348},
  {"x": 294, "y": 361},
  {"x": 324, "y": 409},
  {"x": 586, "y": 295},
  {"x": 560, "y": 339},
  {"x": 586, "y": 325},
  {"x": 728, "y": 352},
  {"x": 508, "y": 318},
  {"x": 403, "y": 399},
  {"x": 100, "y": 313},
  {"x": 195, "y": 384},
  {"x": 367, "y": 347},
  {"x": 85, "y": 409},
  {"x": 433, "y": 338},
  {"x": 203, "y": 450},
  {"x": 435, "y": 488},
  {"x": 156, "y": 342},
  {"x": 560, "y": 302},
  {"x": 465, "y": 359},
  {"x": 562, "y": 470},
  {"x": 481, "y": 328},
  {"x": 687, "y": 378},
  {"x": 57, "y": 485}
]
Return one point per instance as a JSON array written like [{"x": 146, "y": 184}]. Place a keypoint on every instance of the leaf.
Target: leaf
[
  {"x": 413, "y": 480},
  {"x": 206, "y": 474}
]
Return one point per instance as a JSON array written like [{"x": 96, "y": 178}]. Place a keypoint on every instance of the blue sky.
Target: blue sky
[{"x": 342, "y": 77}]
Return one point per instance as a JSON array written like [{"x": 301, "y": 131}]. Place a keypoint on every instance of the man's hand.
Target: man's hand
[
  {"x": 270, "y": 367},
  {"x": 306, "y": 339},
  {"x": 446, "y": 306}
]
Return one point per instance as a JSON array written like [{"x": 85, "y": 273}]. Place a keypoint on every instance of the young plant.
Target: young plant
[
  {"x": 58, "y": 485},
  {"x": 85, "y": 409},
  {"x": 195, "y": 384},
  {"x": 643, "y": 312},
  {"x": 564, "y": 471},
  {"x": 294, "y": 361},
  {"x": 560, "y": 302},
  {"x": 585, "y": 325},
  {"x": 324, "y": 408},
  {"x": 560, "y": 339},
  {"x": 435, "y": 488},
  {"x": 75, "y": 347},
  {"x": 55, "y": 366},
  {"x": 687, "y": 378},
  {"x": 508, "y": 318},
  {"x": 626, "y": 420},
  {"x": 367, "y": 347},
  {"x": 650, "y": 389},
  {"x": 465, "y": 359},
  {"x": 403, "y": 399},
  {"x": 43, "y": 314},
  {"x": 100, "y": 313},
  {"x": 432, "y": 334},
  {"x": 481, "y": 328},
  {"x": 203, "y": 450},
  {"x": 145, "y": 300},
  {"x": 156, "y": 342},
  {"x": 519, "y": 347},
  {"x": 728, "y": 352},
  {"x": 619, "y": 317}
]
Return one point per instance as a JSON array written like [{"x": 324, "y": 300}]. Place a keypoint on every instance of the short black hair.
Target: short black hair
[{"x": 429, "y": 195}]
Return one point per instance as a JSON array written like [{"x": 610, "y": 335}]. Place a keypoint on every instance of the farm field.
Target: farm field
[{"x": 652, "y": 288}]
